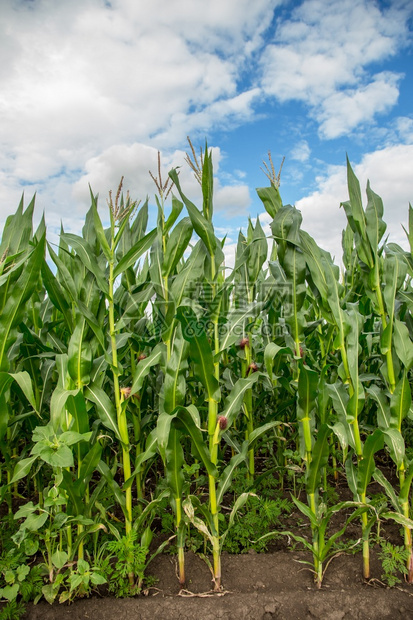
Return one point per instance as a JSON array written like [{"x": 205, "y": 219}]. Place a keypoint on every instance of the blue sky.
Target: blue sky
[{"x": 92, "y": 89}]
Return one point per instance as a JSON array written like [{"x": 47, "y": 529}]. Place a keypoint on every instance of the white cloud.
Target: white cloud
[
  {"x": 301, "y": 151},
  {"x": 344, "y": 110},
  {"x": 232, "y": 200},
  {"x": 80, "y": 77},
  {"x": 322, "y": 56}
]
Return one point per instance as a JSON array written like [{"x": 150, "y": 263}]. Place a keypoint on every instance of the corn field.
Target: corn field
[{"x": 142, "y": 380}]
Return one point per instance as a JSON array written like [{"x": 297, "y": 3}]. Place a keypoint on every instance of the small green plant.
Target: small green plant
[
  {"x": 393, "y": 560},
  {"x": 127, "y": 557},
  {"x": 81, "y": 581},
  {"x": 19, "y": 584},
  {"x": 260, "y": 516}
]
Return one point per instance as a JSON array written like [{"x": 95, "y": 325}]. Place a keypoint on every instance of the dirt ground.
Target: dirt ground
[{"x": 256, "y": 587}]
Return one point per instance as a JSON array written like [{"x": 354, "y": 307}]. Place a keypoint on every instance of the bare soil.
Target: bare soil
[{"x": 256, "y": 586}]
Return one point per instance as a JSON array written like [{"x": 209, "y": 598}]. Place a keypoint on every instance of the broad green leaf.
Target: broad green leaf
[
  {"x": 400, "y": 402},
  {"x": 143, "y": 368},
  {"x": 88, "y": 258},
  {"x": 59, "y": 559},
  {"x": 234, "y": 401},
  {"x": 202, "y": 226},
  {"x": 227, "y": 475},
  {"x": 104, "y": 470},
  {"x": 374, "y": 219},
  {"x": 22, "y": 468},
  {"x": 271, "y": 199},
  {"x": 383, "y": 406},
  {"x": 403, "y": 344},
  {"x": 105, "y": 408},
  {"x": 35, "y": 522},
  {"x": 140, "y": 247},
  {"x": 176, "y": 245},
  {"x": 100, "y": 233},
  {"x": 58, "y": 405},
  {"x": 200, "y": 351},
  {"x": 272, "y": 350},
  {"x": 382, "y": 480},
  {"x": 395, "y": 442},
  {"x": 174, "y": 461},
  {"x": 367, "y": 465},
  {"x": 319, "y": 459},
  {"x": 14, "y": 309},
  {"x": 174, "y": 388}
]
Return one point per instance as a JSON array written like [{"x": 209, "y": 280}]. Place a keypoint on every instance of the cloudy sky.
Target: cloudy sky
[{"x": 90, "y": 90}]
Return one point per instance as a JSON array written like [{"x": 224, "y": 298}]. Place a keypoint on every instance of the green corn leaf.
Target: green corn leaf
[
  {"x": 390, "y": 492},
  {"x": 56, "y": 293},
  {"x": 383, "y": 406},
  {"x": 130, "y": 258},
  {"x": 271, "y": 351},
  {"x": 207, "y": 184},
  {"x": 143, "y": 368},
  {"x": 151, "y": 448},
  {"x": 202, "y": 226},
  {"x": 100, "y": 233},
  {"x": 399, "y": 518},
  {"x": 80, "y": 354},
  {"x": 185, "y": 282},
  {"x": 200, "y": 351},
  {"x": 65, "y": 277},
  {"x": 88, "y": 258},
  {"x": 376, "y": 227},
  {"x": 403, "y": 344},
  {"x": 367, "y": 465},
  {"x": 186, "y": 419},
  {"x": 234, "y": 401},
  {"x": 90, "y": 462},
  {"x": 286, "y": 225},
  {"x": 18, "y": 230},
  {"x": 58, "y": 405},
  {"x": 306, "y": 510},
  {"x": 25, "y": 383},
  {"x": 307, "y": 393},
  {"x": 319, "y": 459},
  {"x": 176, "y": 245},
  {"x": 104, "y": 470},
  {"x": 174, "y": 460},
  {"x": 22, "y": 468},
  {"x": 177, "y": 207},
  {"x": 351, "y": 476},
  {"x": 313, "y": 254},
  {"x": 238, "y": 504},
  {"x": 395, "y": 442},
  {"x": 400, "y": 401},
  {"x": 260, "y": 431},
  {"x": 14, "y": 309},
  {"x": 271, "y": 199},
  {"x": 227, "y": 475},
  {"x": 104, "y": 406},
  {"x": 258, "y": 252},
  {"x": 174, "y": 388},
  {"x": 405, "y": 487},
  {"x": 236, "y": 319},
  {"x": 76, "y": 505}
]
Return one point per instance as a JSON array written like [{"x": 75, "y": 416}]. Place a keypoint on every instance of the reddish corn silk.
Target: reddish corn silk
[
  {"x": 223, "y": 422},
  {"x": 243, "y": 343},
  {"x": 252, "y": 368},
  {"x": 141, "y": 357},
  {"x": 125, "y": 391}
]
